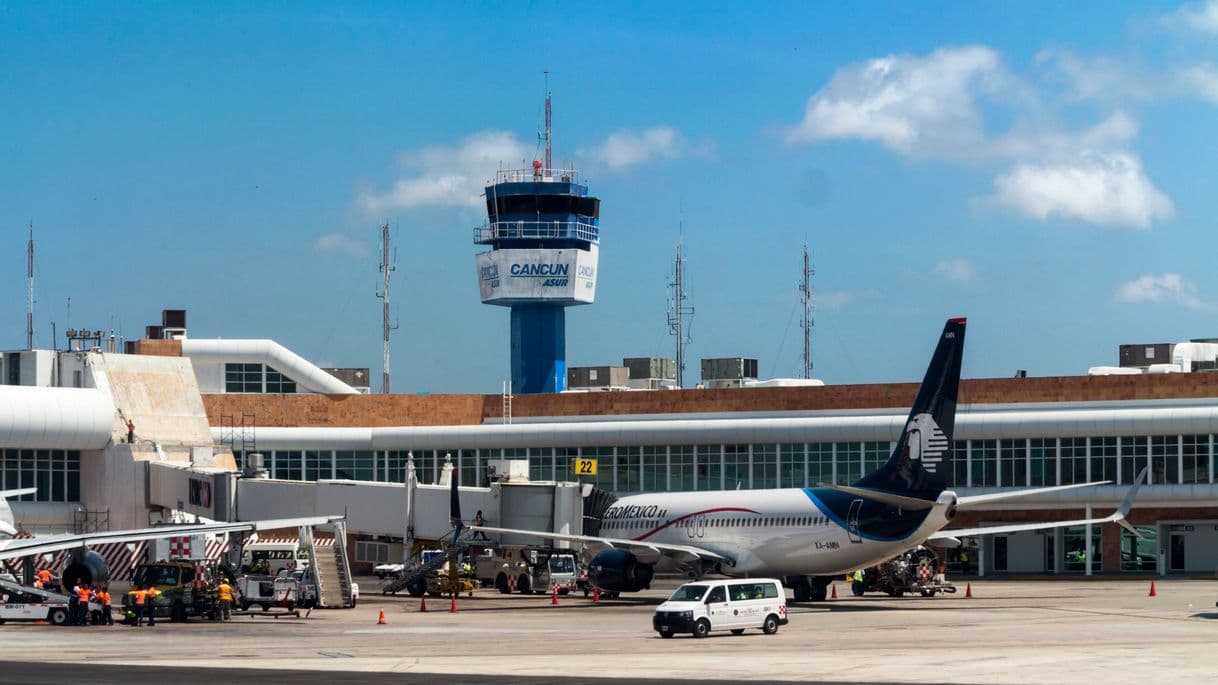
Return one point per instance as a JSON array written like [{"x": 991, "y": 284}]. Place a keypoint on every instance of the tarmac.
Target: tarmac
[{"x": 1010, "y": 631}]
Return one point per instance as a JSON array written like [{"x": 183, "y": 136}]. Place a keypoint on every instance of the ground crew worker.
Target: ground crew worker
[
  {"x": 224, "y": 592},
  {"x": 73, "y": 605},
  {"x": 44, "y": 577},
  {"x": 140, "y": 596},
  {"x": 82, "y": 599},
  {"x": 95, "y": 603},
  {"x": 107, "y": 618},
  {"x": 152, "y": 595},
  {"x": 130, "y": 431}
]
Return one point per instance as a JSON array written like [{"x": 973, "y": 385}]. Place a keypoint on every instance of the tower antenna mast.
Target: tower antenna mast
[
  {"x": 805, "y": 293},
  {"x": 387, "y": 268},
  {"x": 680, "y": 317},
  {"x": 548, "y": 167},
  {"x": 29, "y": 271}
]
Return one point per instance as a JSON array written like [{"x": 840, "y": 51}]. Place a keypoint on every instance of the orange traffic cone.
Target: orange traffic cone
[
  {"x": 423, "y": 604},
  {"x": 968, "y": 591},
  {"x": 554, "y": 594},
  {"x": 834, "y": 594},
  {"x": 596, "y": 594},
  {"x": 380, "y": 621},
  {"x": 453, "y": 609},
  {"x": 1152, "y": 589}
]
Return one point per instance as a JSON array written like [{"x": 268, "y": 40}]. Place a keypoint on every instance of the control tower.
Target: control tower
[{"x": 543, "y": 230}]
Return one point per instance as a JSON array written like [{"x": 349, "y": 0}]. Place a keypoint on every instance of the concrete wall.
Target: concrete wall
[{"x": 159, "y": 394}]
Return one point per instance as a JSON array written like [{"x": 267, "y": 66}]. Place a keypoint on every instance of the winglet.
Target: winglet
[{"x": 1127, "y": 503}]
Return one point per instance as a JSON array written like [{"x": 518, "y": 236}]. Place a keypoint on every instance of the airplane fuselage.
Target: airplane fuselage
[{"x": 787, "y": 532}]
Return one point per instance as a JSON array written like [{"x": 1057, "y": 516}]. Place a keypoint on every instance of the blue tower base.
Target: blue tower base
[{"x": 539, "y": 348}]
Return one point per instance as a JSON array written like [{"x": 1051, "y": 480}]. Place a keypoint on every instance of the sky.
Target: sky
[{"x": 1045, "y": 169}]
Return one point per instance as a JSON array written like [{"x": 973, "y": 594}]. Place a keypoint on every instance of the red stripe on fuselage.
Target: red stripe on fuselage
[{"x": 653, "y": 531}]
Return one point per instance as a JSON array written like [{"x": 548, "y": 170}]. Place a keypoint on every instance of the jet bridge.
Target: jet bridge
[{"x": 420, "y": 512}]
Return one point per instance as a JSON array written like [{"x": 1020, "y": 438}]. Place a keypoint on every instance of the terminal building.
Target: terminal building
[{"x": 201, "y": 408}]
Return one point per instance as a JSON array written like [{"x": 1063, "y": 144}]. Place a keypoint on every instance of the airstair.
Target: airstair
[
  {"x": 331, "y": 568},
  {"x": 416, "y": 569}
]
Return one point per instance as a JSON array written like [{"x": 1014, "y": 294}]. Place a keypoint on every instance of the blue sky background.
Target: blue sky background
[{"x": 1045, "y": 169}]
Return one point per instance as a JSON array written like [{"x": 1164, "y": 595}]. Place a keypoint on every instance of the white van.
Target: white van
[{"x": 734, "y": 605}]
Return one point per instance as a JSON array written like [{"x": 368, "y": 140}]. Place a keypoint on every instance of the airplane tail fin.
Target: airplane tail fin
[{"x": 921, "y": 461}]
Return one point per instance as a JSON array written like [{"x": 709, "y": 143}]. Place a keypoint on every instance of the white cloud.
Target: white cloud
[
  {"x": 1163, "y": 288},
  {"x": 626, "y": 149},
  {"x": 1107, "y": 189},
  {"x": 337, "y": 242},
  {"x": 837, "y": 299},
  {"x": 955, "y": 270},
  {"x": 1200, "y": 80},
  {"x": 448, "y": 176},
  {"x": 962, "y": 104},
  {"x": 914, "y": 105},
  {"x": 1196, "y": 17},
  {"x": 1099, "y": 78}
]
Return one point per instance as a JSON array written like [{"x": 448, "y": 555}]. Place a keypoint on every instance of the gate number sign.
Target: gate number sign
[{"x": 585, "y": 467}]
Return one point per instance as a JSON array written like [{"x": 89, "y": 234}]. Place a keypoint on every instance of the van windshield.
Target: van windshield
[{"x": 689, "y": 593}]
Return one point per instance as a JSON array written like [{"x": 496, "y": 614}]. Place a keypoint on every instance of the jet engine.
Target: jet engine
[
  {"x": 617, "y": 570},
  {"x": 85, "y": 567}
]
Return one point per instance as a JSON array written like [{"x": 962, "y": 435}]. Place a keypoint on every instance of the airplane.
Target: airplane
[
  {"x": 808, "y": 536},
  {"x": 88, "y": 567}
]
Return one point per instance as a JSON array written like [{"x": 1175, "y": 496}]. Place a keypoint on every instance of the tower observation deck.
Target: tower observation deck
[{"x": 543, "y": 230}]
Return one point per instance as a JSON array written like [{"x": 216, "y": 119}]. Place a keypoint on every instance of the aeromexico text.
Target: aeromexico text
[{"x": 637, "y": 511}]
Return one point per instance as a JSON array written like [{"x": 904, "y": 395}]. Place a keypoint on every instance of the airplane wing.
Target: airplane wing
[
  {"x": 965, "y": 502},
  {"x": 1117, "y": 517},
  {"x": 10, "y": 549},
  {"x": 656, "y": 549}
]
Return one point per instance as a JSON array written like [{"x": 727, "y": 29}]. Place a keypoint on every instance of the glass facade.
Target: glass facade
[
  {"x": 677, "y": 468},
  {"x": 258, "y": 378},
  {"x": 56, "y": 474}
]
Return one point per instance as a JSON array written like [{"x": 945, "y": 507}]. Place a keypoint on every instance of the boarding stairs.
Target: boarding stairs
[
  {"x": 331, "y": 569},
  {"x": 415, "y": 568}
]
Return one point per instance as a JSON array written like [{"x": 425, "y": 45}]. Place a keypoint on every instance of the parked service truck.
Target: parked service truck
[{"x": 528, "y": 571}]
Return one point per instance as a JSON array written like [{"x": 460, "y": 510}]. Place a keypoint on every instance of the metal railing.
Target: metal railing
[
  {"x": 537, "y": 176},
  {"x": 500, "y": 230}
]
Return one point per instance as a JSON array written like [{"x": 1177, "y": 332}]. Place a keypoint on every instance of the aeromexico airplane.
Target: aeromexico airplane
[
  {"x": 89, "y": 567},
  {"x": 807, "y": 536}
]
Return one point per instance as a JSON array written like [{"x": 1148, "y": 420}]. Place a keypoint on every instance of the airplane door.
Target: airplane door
[
  {"x": 852, "y": 521},
  {"x": 701, "y": 526}
]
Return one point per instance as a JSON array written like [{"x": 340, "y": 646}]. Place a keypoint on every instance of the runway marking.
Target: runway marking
[{"x": 431, "y": 630}]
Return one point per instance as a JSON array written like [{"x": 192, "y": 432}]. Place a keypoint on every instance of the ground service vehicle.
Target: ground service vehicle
[
  {"x": 183, "y": 591},
  {"x": 913, "y": 571},
  {"x": 735, "y": 605},
  {"x": 528, "y": 571},
  {"x": 266, "y": 592},
  {"x": 23, "y": 603},
  {"x": 270, "y": 558}
]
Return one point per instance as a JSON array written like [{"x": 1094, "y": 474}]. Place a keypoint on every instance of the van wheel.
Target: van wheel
[
  {"x": 737, "y": 631},
  {"x": 58, "y": 617},
  {"x": 771, "y": 625},
  {"x": 666, "y": 635},
  {"x": 501, "y": 584},
  {"x": 702, "y": 628}
]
